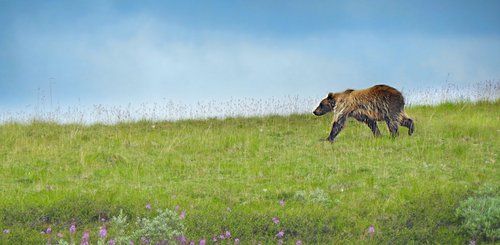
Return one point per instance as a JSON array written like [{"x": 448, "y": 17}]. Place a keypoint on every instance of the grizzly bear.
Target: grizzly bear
[{"x": 378, "y": 103}]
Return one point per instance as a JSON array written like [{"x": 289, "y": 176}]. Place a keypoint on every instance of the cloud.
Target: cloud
[
  {"x": 142, "y": 58},
  {"x": 151, "y": 59}
]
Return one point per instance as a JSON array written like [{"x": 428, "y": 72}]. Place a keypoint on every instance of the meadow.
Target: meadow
[{"x": 264, "y": 179}]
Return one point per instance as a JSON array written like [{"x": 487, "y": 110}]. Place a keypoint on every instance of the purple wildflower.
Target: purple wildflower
[
  {"x": 103, "y": 232},
  {"x": 85, "y": 238},
  {"x": 236, "y": 241},
  {"x": 371, "y": 230},
  {"x": 280, "y": 234},
  {"x": 228, "y": 234},
  {"x": 131, "y": 242},
  {"x": 276, "y": 220},
  {"x": 280, "y": 241},
  {"x": 148, "y": 206},
  {"x": 111, "y": 242},
  {"x": 177, "y": 207},
  {"x": 298, "y": 242},
  {"x": 192, "y": 243},
  {"x": 49, "y": 230},
  {"x": 72, "y": 228},
  {"x": 60, "y": 235},
  {"x": 144, "y": 240},
  {"x": 6, "y": 231},
  {"x": 222, "y": 237},
  {"x": 183, "y": 215},
  {"x": 182, "y": 240},
  {"x": 202, "y": 242},
  {"x": 282, "y": 202}
]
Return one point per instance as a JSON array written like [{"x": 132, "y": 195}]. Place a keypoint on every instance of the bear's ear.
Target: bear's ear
[{"x": 330, "y": 96}]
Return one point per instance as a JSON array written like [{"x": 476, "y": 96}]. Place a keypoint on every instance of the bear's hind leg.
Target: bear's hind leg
[
  {"x": 393, "y": 126},
  {"x": 408, "y": 122}
]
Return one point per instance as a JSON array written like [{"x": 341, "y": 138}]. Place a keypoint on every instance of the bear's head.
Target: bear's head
[{"x": 326, "y": 105}]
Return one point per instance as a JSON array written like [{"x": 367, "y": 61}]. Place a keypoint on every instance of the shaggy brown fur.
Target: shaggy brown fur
[{"x": 378, "y": 103}]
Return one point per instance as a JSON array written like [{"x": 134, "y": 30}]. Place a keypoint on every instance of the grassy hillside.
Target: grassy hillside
[{"x": 230, "y": 175}]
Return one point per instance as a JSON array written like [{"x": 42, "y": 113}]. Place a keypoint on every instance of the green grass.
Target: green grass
[{"x": 408, "y": 188}]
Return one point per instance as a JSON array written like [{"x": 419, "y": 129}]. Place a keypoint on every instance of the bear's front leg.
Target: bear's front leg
[{"x": 337, "y": 127}]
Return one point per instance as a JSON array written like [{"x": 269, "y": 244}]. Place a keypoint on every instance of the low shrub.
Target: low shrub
[{"x": 480, "y": 215}]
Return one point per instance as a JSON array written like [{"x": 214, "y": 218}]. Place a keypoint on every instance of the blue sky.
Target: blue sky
[{"x": 119, "y": 52}]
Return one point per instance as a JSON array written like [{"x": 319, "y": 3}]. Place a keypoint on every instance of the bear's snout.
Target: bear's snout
[{"x": 318, "y": 112}]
